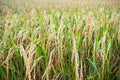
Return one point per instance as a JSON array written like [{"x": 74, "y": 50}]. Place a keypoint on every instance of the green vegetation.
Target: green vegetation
[{"x": 59, "y": 43}]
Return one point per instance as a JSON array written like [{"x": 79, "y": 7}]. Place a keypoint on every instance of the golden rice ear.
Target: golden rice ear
[
  {"x": 28, "y": 56},
  {"x": 81, "y": 71},
  {"x": 75, "y": 57},
  {"x": 9, "y": 56},
  {"x": 22, "y": 50},
  {"x": 46, "y": 72},
  {"x": 35, "y": 62}
]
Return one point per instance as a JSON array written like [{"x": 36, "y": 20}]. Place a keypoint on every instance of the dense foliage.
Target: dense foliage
[{"x": 60, "y": 43}]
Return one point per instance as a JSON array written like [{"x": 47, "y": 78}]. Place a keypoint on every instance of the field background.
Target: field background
[{"x": 64, "y": 3}]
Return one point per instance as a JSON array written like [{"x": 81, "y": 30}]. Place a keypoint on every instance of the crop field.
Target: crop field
[{"x": 59, "y": 40}]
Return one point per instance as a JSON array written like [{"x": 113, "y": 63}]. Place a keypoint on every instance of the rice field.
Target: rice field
[{"x": 59, "y": 43}]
